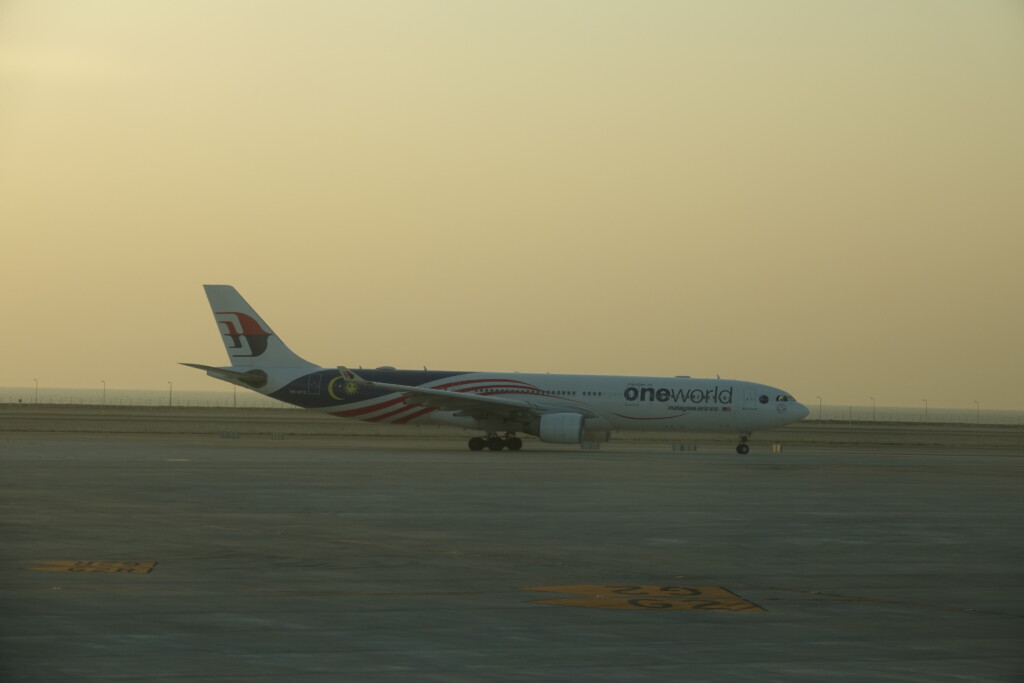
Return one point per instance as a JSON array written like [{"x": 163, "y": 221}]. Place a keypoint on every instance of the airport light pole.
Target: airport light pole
[
  {"x": 37, "y": 388},
  {"x": 170, "y": 393},
  {"x": 977, "y": 412},
  {"x": 873, "y": 419},
  {"x": 925, "y": 409},
  {"x": 104, "y": 391},
  {"x": 819, "y": 409}
]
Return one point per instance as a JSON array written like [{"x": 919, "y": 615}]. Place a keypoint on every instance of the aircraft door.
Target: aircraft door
[{"x": 749, "y": 399}]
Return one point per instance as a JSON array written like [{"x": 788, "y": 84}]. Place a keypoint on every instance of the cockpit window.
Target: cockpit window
[{"x": 784, "y": 397}]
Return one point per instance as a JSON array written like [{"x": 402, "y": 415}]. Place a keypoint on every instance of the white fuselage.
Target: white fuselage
[
  {"x": 555, "y": 408},
  {"x": 610, "y": 402}
]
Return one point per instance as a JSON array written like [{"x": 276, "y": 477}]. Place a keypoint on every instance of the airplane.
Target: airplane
[{"x": 555, "y": 408}]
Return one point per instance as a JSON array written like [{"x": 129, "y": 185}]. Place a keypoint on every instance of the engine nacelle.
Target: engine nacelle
[{"x": 561, "y": 428}]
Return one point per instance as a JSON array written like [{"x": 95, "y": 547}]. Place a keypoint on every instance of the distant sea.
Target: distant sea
[
  {"x": 248, "y": 399},
  {"x": 243, "y": 398}
]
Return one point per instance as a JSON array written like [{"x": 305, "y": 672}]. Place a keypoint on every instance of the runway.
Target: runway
[{"x": 383, "y": 559}]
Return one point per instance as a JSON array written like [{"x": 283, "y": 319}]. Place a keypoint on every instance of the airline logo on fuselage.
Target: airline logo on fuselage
[
  {"x": 635, "y": 394},
  {"x": 239, "y": 328}
]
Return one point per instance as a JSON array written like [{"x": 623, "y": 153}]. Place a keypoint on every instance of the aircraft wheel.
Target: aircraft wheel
[
  {"x": 495, "y": 443},
  {"x": 477, "y": 443},
  {"x": 743, "y": 449},
  {"x": 514, "y": 443}
]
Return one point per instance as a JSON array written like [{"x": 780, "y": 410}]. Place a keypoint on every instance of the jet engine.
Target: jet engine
[{"x": 561, "y": 428}]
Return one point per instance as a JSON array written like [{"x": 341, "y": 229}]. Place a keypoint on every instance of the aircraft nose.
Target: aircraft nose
[{"x": 802, "y": 411}]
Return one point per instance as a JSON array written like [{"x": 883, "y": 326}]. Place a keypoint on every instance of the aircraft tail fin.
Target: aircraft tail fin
[{"x": 248, "y": 340}]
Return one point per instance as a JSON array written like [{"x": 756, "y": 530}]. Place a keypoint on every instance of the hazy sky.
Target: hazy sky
[{"x": 824, "y": 196}]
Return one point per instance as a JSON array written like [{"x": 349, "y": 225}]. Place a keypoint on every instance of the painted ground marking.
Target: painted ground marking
[
  {"x": 88, "y": 566},
  {"x": 692, "y": 598}
]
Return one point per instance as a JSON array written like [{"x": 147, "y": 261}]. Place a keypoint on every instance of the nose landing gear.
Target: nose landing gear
[
  {"x": 743, "y": 448},
  {"x": 493, "y": 442}
]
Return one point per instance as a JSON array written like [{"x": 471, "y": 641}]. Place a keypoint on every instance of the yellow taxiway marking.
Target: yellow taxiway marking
[
  {"x": 92, "y": 566},
  {"x": 734, "y": 605},
  {"x": 698, "y": 598},
  {"x": 636, "y": 591}
]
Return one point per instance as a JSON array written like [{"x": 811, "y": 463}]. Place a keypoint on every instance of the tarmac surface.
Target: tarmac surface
[
  {"x": 56, "y": 419},
  {"x": 172, "y": 558}
]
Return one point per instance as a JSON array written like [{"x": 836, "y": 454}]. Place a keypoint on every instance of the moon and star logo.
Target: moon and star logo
[{"x": 347, "y": 390}]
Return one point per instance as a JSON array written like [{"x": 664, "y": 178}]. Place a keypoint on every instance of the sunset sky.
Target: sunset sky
[{"x": 823, "y": 196}]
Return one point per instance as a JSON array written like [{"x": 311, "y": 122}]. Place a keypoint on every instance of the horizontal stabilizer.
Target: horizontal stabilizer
[{"x": 250, "y": 378}]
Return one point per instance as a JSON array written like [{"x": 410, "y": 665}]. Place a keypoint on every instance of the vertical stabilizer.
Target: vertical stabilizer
[{"x": 248, "y": 339}]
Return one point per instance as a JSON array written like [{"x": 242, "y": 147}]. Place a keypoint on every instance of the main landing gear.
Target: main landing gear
[
  {"x": 743, "y": 448},
  {"x": 494, "y": 442}
]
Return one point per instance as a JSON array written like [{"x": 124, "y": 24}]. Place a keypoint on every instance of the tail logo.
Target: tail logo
[{"x": 242, "y": 333}]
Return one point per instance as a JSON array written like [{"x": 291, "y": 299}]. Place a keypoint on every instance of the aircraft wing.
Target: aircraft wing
[{"x": 470, "y": 404}]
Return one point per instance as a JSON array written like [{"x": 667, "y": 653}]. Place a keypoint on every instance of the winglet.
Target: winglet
[{"x": 351, "y": 376}]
